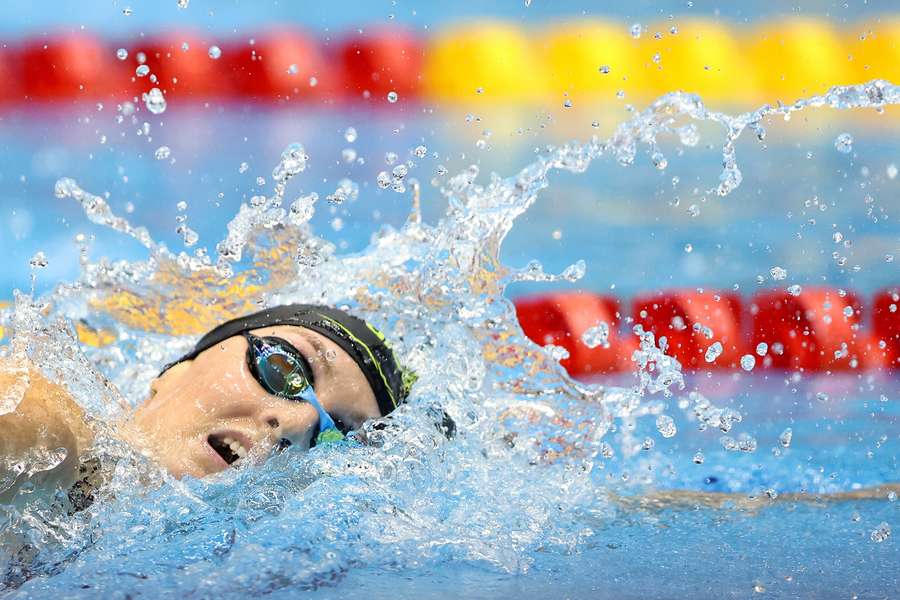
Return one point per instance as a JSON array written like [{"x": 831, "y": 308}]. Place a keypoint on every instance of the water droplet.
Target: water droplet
[
  {"x": 665, "y": 425},
  {"x": 604, "y": 69},
  {"x": 778, "y": 348},
  {"x": 162, "y": 153},
  {"x": 399, "y": 172},
  {"x": 636, "y": 30},
  {"x": 185, "y": 46},
  {"x": 215, "y": 53},
  {"x": 606, "y": 450},
  {"x": 891, "y": 171},
  {"x": 881, "y": 533},
  {"x": 596, "y": 336},
  {"x": 39, "y": 260},
  {"x": 292, "y": 69},
  {"x": 421, "y": 151},
  {"x": 183, "y": 3},
  {"x": 689, "y": 135},
  {"x": 392, "y": 96},
  {"x": 383, "y": 180},
  {"x": 822, "y": 397},
  {"x": 848, "y": 311},
  {"x": 762, "y": 348},
  {"x": 127, "y": 11},
  {"x": 699, "y": 458},
  {"x": 348, "y": 155},
  {"x": 786, "y": 436},
  {"x": 350, "y": 135},
  {"x": 313, "y": 81},
  {"x": 293, "y": 162},
  {"x": 844, "y": 143},
  {"x": 748, "y": 361},
  {"x": 556, "y": 352},
  {"x": 794, "y": 290},
  {"x": 688, "y": 248},
  {"x": 778, "y": 273},
  {"x": 243, "y": 167},
  {"x": 142, "y": 70},
  {"x": 659, "y": 161},
  {"x": 155, "y": 101},
  {"x": 648, "y": 443},
  {"x": 713, "y": 352},
  {"x": 122, "y": 54}
]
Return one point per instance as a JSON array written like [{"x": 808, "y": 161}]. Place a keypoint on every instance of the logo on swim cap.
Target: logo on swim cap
[{"x": 408, "y": 378}]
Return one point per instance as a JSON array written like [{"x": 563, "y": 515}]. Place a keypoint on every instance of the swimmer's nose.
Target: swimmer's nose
[{"x": 292, "y": 427}]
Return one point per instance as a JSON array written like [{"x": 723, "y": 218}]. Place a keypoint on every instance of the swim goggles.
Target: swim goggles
[{"x": 283, "y": 371}]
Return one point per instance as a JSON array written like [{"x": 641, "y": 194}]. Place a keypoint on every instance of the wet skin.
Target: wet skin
[{"x": 216, "y": 395}]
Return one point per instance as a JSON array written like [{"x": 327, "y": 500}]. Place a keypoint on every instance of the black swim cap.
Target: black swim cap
[{"x": 365, "y": 344}]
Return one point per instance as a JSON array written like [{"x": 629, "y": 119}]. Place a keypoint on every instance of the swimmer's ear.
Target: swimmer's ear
[{"x": 171, "y": 374}]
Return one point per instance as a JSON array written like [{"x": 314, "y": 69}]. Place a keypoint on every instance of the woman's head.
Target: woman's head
[{"x": 213, "y": 406}]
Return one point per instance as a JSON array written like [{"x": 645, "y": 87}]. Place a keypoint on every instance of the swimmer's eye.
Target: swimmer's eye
[{"x": 280, "y": 368}]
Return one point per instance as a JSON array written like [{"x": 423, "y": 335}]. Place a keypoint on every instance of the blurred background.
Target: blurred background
[{"x": 369, "y": 85}]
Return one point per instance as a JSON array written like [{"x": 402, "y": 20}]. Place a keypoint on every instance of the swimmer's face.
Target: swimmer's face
[{"x": 199, "y": 405}]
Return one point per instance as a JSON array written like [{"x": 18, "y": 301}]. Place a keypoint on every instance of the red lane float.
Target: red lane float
[
  {"x": 182, "y": 66},
  {"x": 692, "y": 322},
  {"x": 382, "y": 61},
  {"x": 886, "y": 326},
  {"x": 10, "y": 90},
  {"x": 69, "y": 66},
  {"x": 817, "y": 330},
  {"x": 282, "y": 64},
  {"x": 561, "y": 319}
]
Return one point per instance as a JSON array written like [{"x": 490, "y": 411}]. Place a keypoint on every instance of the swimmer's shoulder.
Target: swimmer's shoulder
[{"x": 42, "y": 439}]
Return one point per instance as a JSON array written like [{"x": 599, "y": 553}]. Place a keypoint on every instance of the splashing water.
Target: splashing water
[{"x": 524, "y": 476}]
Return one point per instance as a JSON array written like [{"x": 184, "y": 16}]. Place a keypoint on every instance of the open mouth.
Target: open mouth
[{"x": 230, "y": 449}]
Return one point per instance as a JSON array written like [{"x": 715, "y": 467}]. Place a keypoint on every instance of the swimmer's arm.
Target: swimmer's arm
[{"x": 43, "y": 436}]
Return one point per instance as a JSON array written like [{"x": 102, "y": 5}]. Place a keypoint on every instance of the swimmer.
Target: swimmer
[{"x": 296, "y": 375}]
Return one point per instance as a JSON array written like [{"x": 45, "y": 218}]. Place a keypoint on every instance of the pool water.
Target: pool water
[
  {"x": 553, "y": 487},
  {"x": 804, "y": 546}
]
